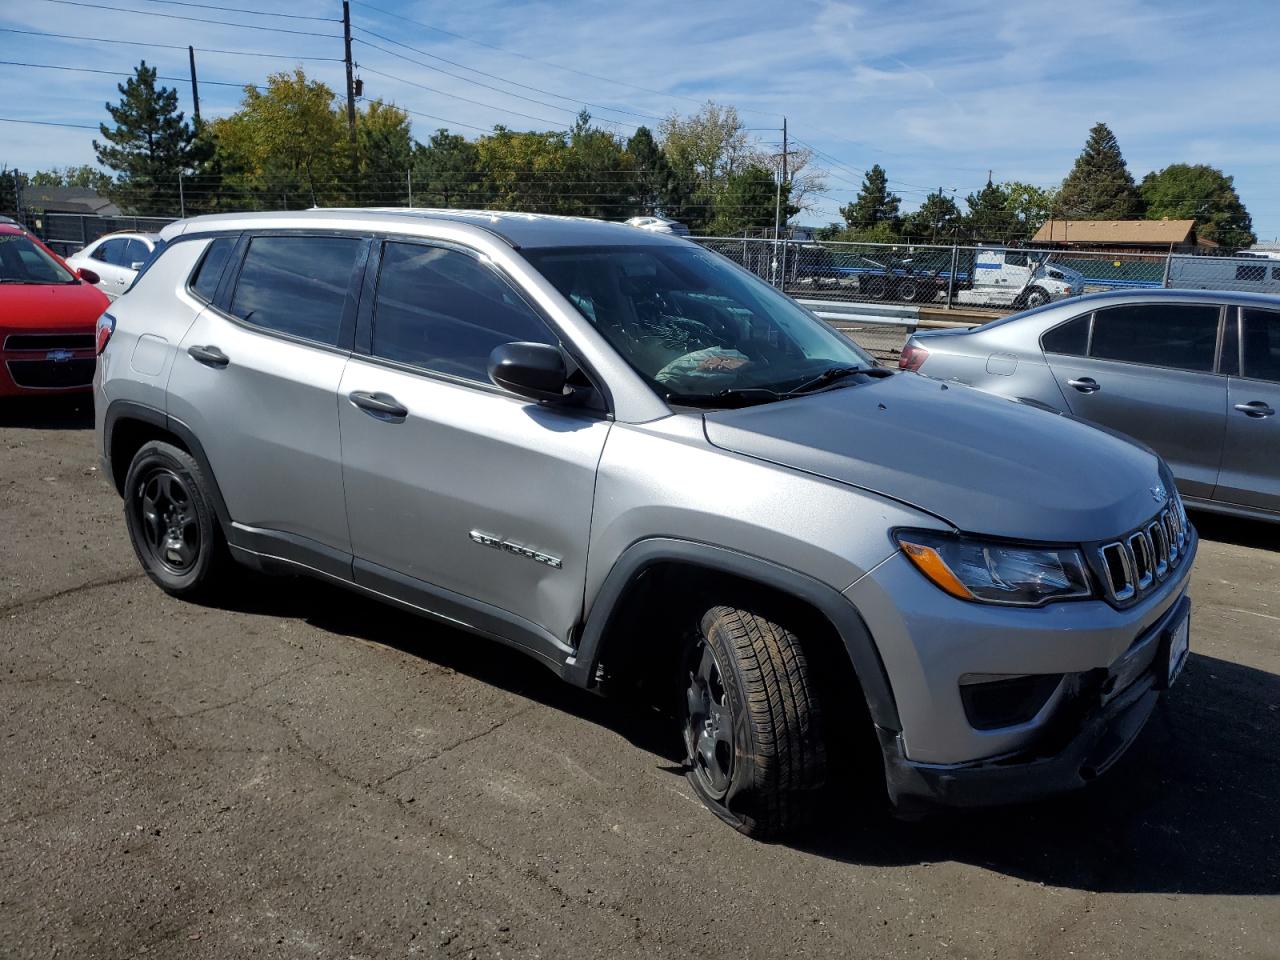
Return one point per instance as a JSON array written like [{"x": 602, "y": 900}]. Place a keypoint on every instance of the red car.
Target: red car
[{"x": 48, "y": 312}]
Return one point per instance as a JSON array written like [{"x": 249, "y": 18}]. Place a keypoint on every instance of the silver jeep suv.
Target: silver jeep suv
[{"x": 642, "y": 466}]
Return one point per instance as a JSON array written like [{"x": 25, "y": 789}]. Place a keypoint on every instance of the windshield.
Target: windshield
[
  {"x": 22, "y": 261},
  {"x": 693, "y": 324}
]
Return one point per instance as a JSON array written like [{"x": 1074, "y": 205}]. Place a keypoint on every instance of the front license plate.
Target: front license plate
[{"x": 1179, "y": 643}]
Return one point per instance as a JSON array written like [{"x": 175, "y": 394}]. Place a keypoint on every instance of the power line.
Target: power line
[
  {"x": 169, "y": 46},
  {"x": 255, "y": 13},
  {"x": 49, "y": 123},
  {"x": 118, "y": 73},
  {"x": 175, "y": 16},
  {"x": 491, "y": 76},
  {"x": 432, "y": 116},
  {"x": 455, "y": 96}
]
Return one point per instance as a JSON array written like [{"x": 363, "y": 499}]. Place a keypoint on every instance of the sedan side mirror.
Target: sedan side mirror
[
  {"x": 137, "y": 264},
  {"x": 88, "y": 276},
  {"x": 533, "y": 370}
]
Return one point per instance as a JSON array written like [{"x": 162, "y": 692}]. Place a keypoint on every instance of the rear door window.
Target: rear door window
[
  {"x": 296, "y": 285},
  {"x": 1262, "y": 345},
  {"x": 1178, "y": 336},
  {"x": 445, "y": 311}
]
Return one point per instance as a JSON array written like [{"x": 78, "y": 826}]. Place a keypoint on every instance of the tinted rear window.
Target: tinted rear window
[
  {"x": 296, "y": 285},
  {"x": 1262, "y": 345},
  {"x": 204, "y": 283},
  {"x": 1180, "y": 336},
  {"x": 1070, "y": 338}
]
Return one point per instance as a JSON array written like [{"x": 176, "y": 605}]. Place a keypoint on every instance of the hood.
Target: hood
[
  {"x": 50, "y": 306},
  {"x": 984, "y": 464}
]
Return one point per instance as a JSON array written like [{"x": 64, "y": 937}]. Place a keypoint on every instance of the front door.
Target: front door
[
  {"x": 1251, "y": 459},
  {"x": 1149, "y": 372},
  {"x": 462, "y": 498}
]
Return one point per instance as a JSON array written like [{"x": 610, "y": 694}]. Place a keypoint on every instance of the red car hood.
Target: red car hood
[{"x": 52, "y": 306}]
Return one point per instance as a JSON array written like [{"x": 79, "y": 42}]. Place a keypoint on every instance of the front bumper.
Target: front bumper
[
  {"x": 1092, "y": 728},
  {"x": 39, "y": 361}
]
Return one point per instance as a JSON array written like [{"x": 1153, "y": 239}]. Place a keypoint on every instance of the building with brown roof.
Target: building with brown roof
[{"x": 1122, "y": 236}]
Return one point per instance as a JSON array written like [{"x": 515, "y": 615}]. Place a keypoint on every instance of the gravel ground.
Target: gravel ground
[{"x": 304, "y": 773}]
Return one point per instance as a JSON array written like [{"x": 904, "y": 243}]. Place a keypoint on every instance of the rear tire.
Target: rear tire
[
  {"x": 909, "y": 291},
  {"x": 754, "y": 741},
  {"x": 171, "y": 522}
]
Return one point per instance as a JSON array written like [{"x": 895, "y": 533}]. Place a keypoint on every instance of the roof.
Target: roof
[
  {"x": 1154, "y": 232},
  {"x": 517, "y": 229},
  {"x": 68, "y": 200}
]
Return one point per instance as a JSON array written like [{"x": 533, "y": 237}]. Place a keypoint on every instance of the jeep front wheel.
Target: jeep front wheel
[{"x": 755, "y": 752}]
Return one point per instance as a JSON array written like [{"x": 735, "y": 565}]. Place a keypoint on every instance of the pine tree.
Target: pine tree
[
  {"x": 875, "y": 205},
  {"x": 937, "y": 219},
  {"x": 149, "y": 145},
  {"x": 658, "y": 188},
  {"x": 1099, "y": 186},
  {"x": 989, "y": 216}
]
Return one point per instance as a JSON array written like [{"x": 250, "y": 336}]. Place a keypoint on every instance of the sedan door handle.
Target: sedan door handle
[
  {"x": 380, "y": 406},
  {"x": 210, "y": 356},
  {"x": 1085, "y": 385},
  {"x": 1256, "y": 409}
]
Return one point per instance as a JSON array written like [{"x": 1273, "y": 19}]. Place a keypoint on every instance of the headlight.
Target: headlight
[{"x": 992, "y": 572}]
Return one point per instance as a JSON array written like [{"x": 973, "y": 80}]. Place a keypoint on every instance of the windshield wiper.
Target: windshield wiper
[
  {"x": 744, "y": 397},
  {"x": 832, "y": 374}
]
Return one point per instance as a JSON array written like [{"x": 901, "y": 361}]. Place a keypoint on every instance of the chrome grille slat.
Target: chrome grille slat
[{"x": 1135, "y": 563}]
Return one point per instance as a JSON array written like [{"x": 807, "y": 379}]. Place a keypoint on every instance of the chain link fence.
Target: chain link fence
[
  {"x": 65, "y": 233},
  {"x": 983, "y": 277}
]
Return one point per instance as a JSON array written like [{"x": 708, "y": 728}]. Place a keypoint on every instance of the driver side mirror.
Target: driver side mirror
[
  {"x": 137, "y": 265},
  {"x": 535, "y": 371},
  {"x": 88, "y": 276}
]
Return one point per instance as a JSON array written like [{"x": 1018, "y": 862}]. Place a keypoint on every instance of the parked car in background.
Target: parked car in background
[
  {"x": 1193, "y": 374},
  {"x": 813, "y": 267},
  {"x": 116, "y": 258},
  {"x": 629, "y": 458},
  {"x": 48, "y": 312},
  {"x": 659, "y": 225}
]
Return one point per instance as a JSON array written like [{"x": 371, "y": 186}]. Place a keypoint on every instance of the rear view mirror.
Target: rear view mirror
[
  {"x": 88, "y": 276},
  {"x": 532, "y": 370}
]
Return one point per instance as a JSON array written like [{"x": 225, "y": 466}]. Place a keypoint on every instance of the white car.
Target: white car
[
  {"x": 659, "y": 225},
  {"x": 116, "y": 258}
]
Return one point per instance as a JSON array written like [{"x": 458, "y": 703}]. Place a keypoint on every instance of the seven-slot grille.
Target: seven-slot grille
[
  {"x": 1135, "y": 563},
  {"x": 49, "y": 341}
]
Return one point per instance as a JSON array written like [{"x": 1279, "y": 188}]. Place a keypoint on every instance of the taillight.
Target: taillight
[
  {"x": 913, "y": 357},
  {"x": 102, "y": 332}
]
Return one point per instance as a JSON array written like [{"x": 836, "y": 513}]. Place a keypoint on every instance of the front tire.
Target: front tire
[
  {"x": 755, "y": 749},
  {"x": 171, "y": 522},
  {"x": 1036, "y": 297}
]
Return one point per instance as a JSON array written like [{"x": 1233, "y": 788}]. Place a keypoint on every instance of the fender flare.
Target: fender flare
[{"x": 828, "y": 601}]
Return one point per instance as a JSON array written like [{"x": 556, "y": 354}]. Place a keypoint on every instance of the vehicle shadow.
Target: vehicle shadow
[
  {"x": 1190, "y": 809},
  {"x": 62, "y": 412},
  {"x": 1237, "y": 530}
]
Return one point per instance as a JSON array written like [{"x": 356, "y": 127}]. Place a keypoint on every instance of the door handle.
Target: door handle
[
  {"x": 1085, "y": 385},
  {"x": 381, "y": 406},
  {"x": 1256, "y": 409},
  {"x": 210, "y": 356}
]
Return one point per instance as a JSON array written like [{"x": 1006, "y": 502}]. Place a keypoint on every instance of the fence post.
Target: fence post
[
  {"x": 951, "y": 278},
  {"x": 783, "y": 271},
  {"x": 408, "y": 176},
  {"x": 1168, "y": 261},
  {"x": 182, "y": 198}
]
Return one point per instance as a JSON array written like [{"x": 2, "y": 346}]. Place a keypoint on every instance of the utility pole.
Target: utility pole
[
  {"x": 195, "y": 88},
  {"x": 785, "y": 177},
  {"x": 351, "y": 87},
  {"x": 777, "y": 215}
]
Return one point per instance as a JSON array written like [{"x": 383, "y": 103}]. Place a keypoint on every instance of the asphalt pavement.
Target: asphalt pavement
[{"x": 304, "y": 773}]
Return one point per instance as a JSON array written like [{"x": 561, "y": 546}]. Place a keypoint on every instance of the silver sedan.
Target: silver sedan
[{"x": 1193, "y": 374}]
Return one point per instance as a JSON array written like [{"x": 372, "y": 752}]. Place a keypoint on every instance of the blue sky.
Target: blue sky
[{"x": 936, "y": 92}]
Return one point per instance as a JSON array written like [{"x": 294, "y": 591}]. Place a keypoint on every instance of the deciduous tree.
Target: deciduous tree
[{"x": 1204, "y": 194}]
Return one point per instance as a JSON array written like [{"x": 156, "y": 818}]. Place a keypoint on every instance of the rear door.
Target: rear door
[
  {"x": 256, "y": 379},
  {"x": 458, "y": 491},
  {"x": 110, "y": 262},
  {"x": 1149, "y": 371},
  {"x": 1250, "y": 473}
]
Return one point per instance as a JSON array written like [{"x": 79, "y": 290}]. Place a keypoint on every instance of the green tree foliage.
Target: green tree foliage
[
  {"x": 446, "y": 172},
  {"x": 747, "y": 200},
  {"x": 600, "y": 183},
  {"x": 1030, "y": 206},
  {"x": 148, "y": 144},
  {"x": 524, "y": 171},
  {"x": 286, "y": 144},
  {"x": 989, "y": 216},
  {"x": 1204, "y": 194},
  {"x": 658, "y": 189},
  {"x": 1099, "y": 186},
  {"x": 710, "y": 145},
  {"x": 384, "y": 151},
  {"x": 85, "y": 176},
  {"x": 938, "y": 218},
  {"x": 875, "y": 206}
]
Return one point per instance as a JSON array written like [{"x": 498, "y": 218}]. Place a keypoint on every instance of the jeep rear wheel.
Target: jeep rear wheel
[
  {"x": 755, "y": 751},
  {"x": 171, "y": 522}
]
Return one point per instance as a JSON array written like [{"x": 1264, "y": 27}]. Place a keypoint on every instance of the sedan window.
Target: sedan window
[
  {"x": 1180, "y": 336},
  {"x": 1069, "y": 339},
  {"x": 110, "y": 251},
  {"x": 1262, "y": 345}
]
